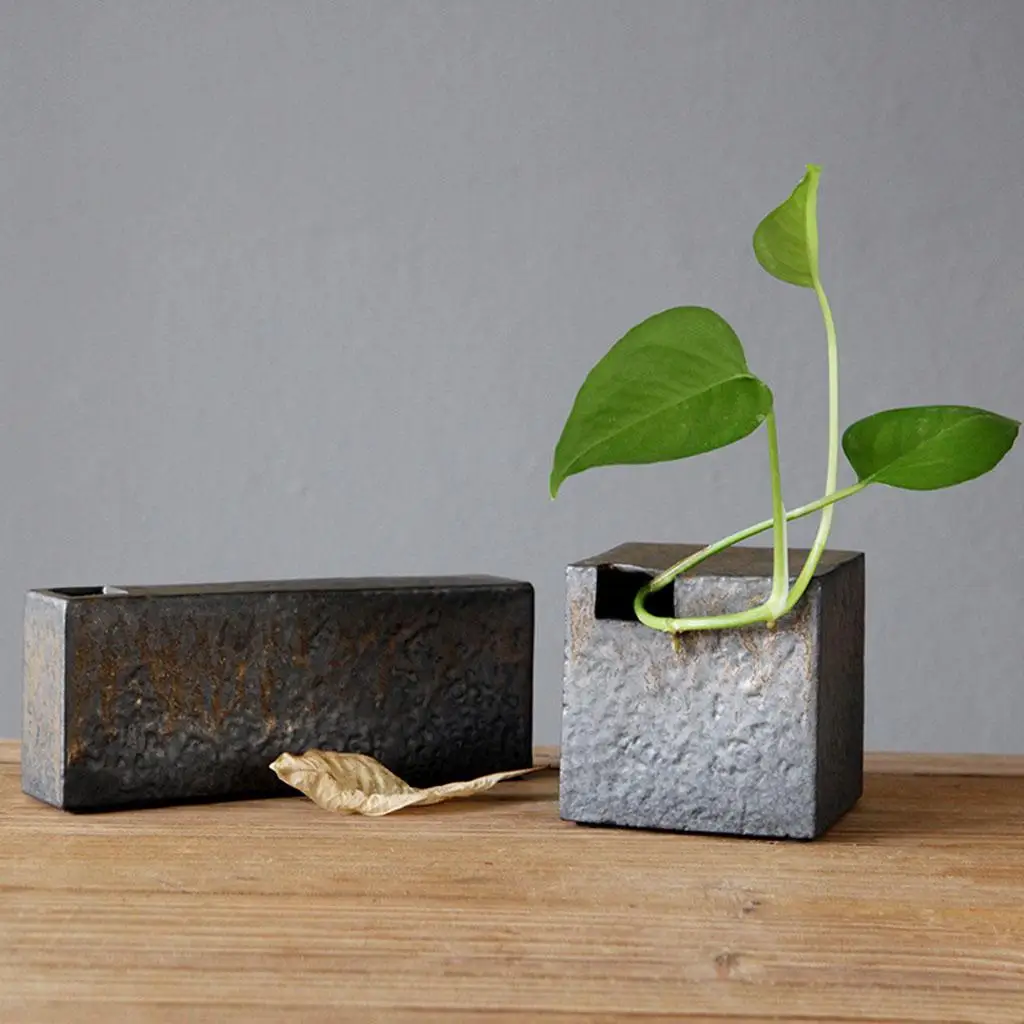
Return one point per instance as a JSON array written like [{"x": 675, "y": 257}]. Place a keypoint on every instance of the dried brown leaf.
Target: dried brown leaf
[{"x": 357, "y": 784}]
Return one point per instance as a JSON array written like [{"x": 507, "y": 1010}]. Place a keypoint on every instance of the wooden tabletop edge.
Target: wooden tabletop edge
[
  {"x": 896, "y": 763},
  {"x": 875, "y": 763}
]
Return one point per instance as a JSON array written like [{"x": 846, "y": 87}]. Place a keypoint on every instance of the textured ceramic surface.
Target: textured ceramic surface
[
  {"x": 152, "y": 695},
  {"x": 749, "y": 732}
]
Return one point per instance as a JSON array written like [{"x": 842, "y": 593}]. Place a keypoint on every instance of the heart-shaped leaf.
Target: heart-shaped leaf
[
  {"x": 357, "y": 784},
  {"x": 928, "y": 447},
  {"x": 786, "y": 241},
  {"x": 674, "y": 386}
]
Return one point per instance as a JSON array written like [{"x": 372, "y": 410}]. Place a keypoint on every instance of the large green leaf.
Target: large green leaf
[
  {"x": 786, "y": 241},
  {"x": 928, "y": 447},
  {"x": 674, "y": 386}
]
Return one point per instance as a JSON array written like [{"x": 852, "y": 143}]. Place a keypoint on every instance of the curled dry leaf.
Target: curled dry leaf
[{"x": 357, "y": 784}]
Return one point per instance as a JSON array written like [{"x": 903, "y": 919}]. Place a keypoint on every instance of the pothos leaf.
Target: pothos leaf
[
  {"x": 674, "y": 386},
  {"x": 928, "y": 447},
  {"x": 786, "y": 241}
]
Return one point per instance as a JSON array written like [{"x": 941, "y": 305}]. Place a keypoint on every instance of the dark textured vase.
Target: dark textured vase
[{"x": 143, "y": 695}]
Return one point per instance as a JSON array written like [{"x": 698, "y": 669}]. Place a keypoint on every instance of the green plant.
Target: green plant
[{"x": 678, "y": 385}]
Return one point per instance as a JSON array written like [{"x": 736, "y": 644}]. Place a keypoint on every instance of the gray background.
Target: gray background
[{"x": 307, "y": 288}]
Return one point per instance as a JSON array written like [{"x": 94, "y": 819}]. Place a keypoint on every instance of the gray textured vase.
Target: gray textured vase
[
  {"x": 753, "y": 731},
  {"x": 143, "y": 695}
]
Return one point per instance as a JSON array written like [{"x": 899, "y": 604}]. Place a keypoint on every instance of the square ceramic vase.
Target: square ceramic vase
[{"x": 751, "y": 732}]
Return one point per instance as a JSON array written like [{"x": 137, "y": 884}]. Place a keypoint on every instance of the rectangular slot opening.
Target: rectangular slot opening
[
  {"x": 617, "y": 588},
  {"x": 79, "y": 591}
]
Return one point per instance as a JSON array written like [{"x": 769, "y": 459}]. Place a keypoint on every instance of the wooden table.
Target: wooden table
[{"x": 492, "y": 909}]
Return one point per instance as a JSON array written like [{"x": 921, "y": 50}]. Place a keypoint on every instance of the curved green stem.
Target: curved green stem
[
  {"x": 663, "y": 579},
  {"x": 832, "y": 472},
  {"x": 782, "y": 599},
  {"x": 771, "y": 609},
  {"x": 780, "y": 548}
]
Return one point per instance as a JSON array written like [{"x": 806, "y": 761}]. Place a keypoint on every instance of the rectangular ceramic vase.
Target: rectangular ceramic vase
[
  {"x": 752, "y": 731},
  {"x": 144, "y": 695}
]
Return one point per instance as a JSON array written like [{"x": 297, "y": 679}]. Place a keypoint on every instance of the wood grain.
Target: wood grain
[{"x": 912, "y": 909}]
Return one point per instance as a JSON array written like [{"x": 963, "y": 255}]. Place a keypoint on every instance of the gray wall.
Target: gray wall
[{"x": 307, "y": 288}]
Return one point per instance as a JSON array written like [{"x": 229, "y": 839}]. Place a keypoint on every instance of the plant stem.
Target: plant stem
[
  {"x": 771, "y": 609},
  {"x": 781, "y": 599},
  {"x": 780, "y": 553},
  {"x": 663, "y": 579},
  {"x": 832, "y": 473}
]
